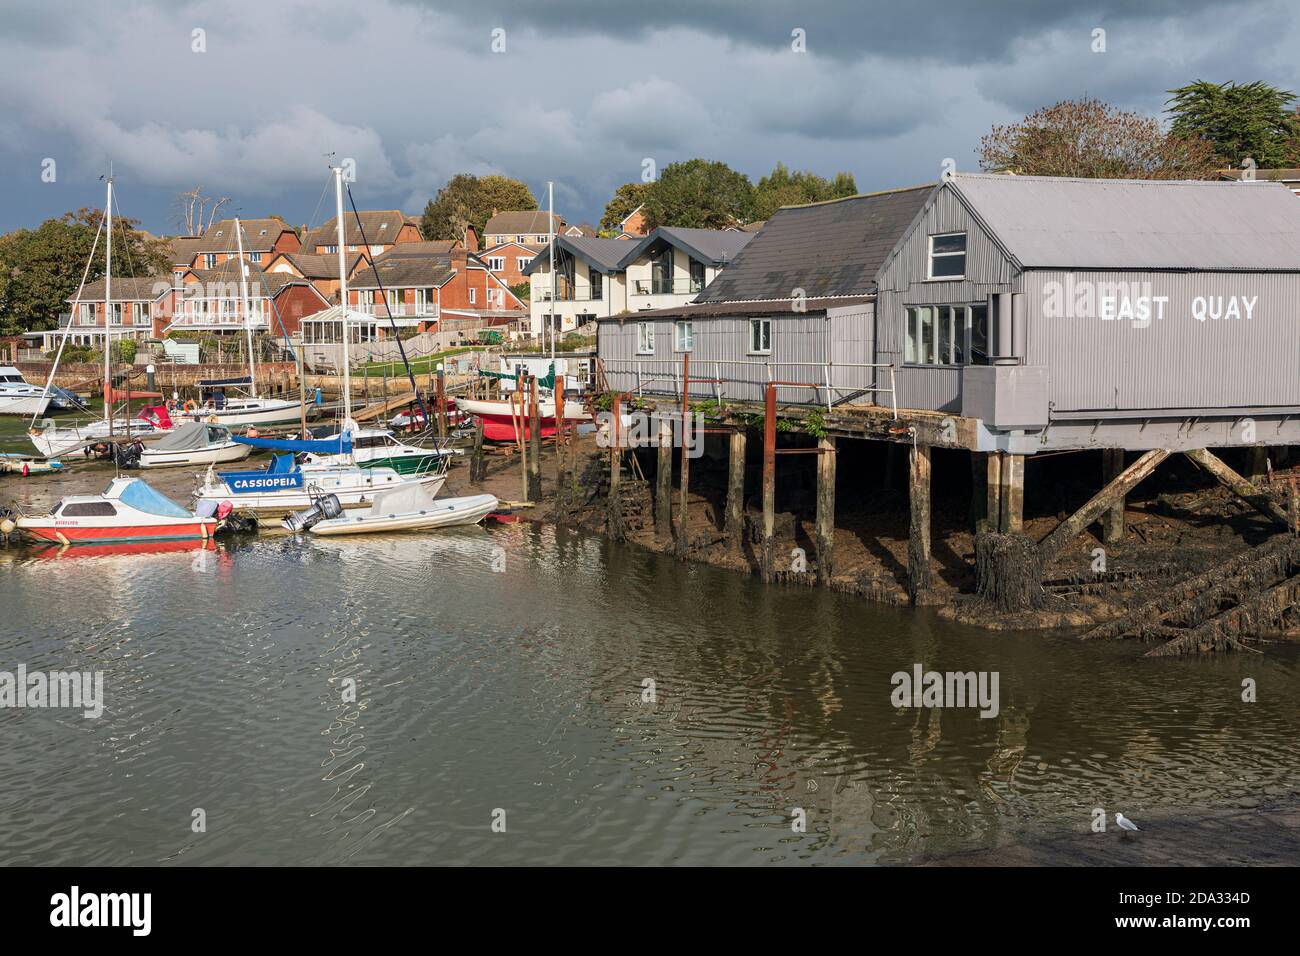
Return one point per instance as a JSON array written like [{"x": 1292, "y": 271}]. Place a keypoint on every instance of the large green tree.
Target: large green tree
[
  {"x": 42, "y": 267},
  {"x": 1251, "y": 120},
  {"x": 1094, "y": 140},
  {"x": 624, "y": 202},
  {"x": 786, "y": 188},
  {"x": 468, "y": 200},
  {"x": 699, "y": 194}
]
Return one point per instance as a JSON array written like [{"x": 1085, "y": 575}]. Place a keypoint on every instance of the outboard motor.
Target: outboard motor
[{"x": 322, "y": 508}]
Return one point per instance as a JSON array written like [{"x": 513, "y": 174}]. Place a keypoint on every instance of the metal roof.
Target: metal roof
[
  {"x": 605, "y": 254},
  {"x": 1051, "y": 222},
  {"x": 830, "y": 248}
]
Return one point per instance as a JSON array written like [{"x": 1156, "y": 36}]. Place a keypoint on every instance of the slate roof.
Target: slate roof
[
  {"x": 259, "y": 282},
  {"x": 714, "y": 246},
  {"x": 322, "y": 266},
  {"x": 184, "y": 249},
  {"x": 605, "y": 254},
  {"x": 425, "y": 247},
  {"x": 832, "y": 248},
  {"x": 143, "y": 289},
  {"x": 1055, "y": 222}
]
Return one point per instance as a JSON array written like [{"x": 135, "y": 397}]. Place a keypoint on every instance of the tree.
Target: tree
[
  {"x": 624, "y": 202},
  {"x": 784, "y": 188},
  {"x": 195, "y": 212},
  {"x": 699, "y": 194},
  {"x": 1091, "y": 139},
  {"x": 1239, "y": 121},
  {"x": 42, "y": 267},
  {"x": 467, "y": 200}
]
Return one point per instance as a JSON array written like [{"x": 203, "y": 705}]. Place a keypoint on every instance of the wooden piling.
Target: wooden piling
[
  {"x": 302, "y": 391},
  {"x": 993, "y": 491},
  {"x": 1112, "y": 520},
  {"x": 535, "y": 440},
  {"x": 769, "y": 483},
  {"x": 734, "y": 523},
  {"x": 1121, "y": 485},
  {"x": 561, "y": 428},
  {"x": 664, "y": 481},
  {"x": 684, "y": 478},
  {"x": 918, "y": 540},
  {"x": 1011, "y": 519},
  {"x": 477, "y": 464},
  {"x": 614, "y": 507},
  {"x": 440, "y": 403},
  {"x": 825, "y": 509}
]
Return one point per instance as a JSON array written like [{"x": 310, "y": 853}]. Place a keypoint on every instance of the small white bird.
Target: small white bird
[{"x": 1125, "y": 823}]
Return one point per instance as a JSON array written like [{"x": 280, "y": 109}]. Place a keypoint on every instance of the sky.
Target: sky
[{"x": 251, "y": 99}]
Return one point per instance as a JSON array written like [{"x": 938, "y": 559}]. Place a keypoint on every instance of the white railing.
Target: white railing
[
  {"x": 397, "y": 310},
  {"x": 830, "y": 389}
]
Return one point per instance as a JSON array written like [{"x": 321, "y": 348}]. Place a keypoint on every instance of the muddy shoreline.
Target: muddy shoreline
[{"x": 1174, "y": 530}]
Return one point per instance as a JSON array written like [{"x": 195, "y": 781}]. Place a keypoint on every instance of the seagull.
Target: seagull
[{"x": 1124, "y": 823}]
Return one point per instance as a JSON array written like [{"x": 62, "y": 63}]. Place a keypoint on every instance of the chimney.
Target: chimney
[{"x": 471, "y": 239}]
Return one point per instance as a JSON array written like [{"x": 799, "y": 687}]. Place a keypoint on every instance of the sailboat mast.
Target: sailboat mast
[
  {"x": 343, "y": 298},
  {"x": 243, "y": 296},
  {"x": 550, "y": 204},
  {"x": 108, "y": 306}
]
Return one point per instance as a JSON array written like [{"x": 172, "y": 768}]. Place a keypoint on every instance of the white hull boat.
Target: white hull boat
[
  {"x": 250, "y": 411},
  {"x": 410, "y": 509},
  {"x": 20, "y": 397},
  {"x": 194, "y": 443},
  {"x": 53, "y": 441},
  {"x": 285, "y": 487}
]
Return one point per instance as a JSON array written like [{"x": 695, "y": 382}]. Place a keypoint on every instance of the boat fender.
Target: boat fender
[
  {"x": 7, "y": 526},
  {"x": 191, "y": 406}
]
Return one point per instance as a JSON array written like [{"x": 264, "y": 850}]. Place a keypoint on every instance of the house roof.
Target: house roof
[
  {"x": 404, "y": 272},
  {"x": 313, "y": 266},
  {"x": 259, "y": 235},
  {"x": 259, "y": 282},
  {"x": 425, "y": 247},
  {"x": 527, "y": 247},
  {"x": 1268, "y": 175},
  {"x": 143, "y": 289},
  {"x": 520, "y": 222},
  {"x": 697, "y": 310},
  {"x": 184, "y": 249},
  {"x": 831, "y": 248},
  {"x": 380, "y": 226},
  {"x": 1051, "y": 222},
  {"x": 605, "y": 254},
  {"x": 714, "y": 246},
  {"x": 583, "y": 229}
]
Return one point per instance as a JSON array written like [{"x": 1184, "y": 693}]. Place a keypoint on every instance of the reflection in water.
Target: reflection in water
[{"x": 504, "y": 669}]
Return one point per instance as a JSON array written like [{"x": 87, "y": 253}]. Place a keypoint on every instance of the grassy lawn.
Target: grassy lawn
[{"x": 422, "y": 365}]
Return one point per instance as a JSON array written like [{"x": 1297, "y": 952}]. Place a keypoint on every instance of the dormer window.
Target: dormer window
[{"x": 948, "y": 255}]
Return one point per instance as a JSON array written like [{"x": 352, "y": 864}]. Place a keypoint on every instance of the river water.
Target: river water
[{"x": 501, "y": 676}]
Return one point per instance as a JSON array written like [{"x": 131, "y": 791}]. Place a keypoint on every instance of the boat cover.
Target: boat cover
[
  {"x": 224, "y": 382},
  {"x": 187, "y": 437},
  {"x": 339, "y": 445},
  {"x": 406, "y": 498},
  {"x": 144, "y": 498}
]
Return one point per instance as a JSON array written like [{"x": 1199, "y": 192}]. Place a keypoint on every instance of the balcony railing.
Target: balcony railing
[
  {"x": 673, "y": 287},
  {"x": 568, "y": 293},
  {"x": 398, "y": 310},
  {"x": 216, "y": 312}
]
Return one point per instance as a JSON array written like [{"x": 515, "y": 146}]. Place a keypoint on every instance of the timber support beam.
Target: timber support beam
[
  {"x": 1248, "y": 492},
  {"x": 918, "y": 541},
  {"x": 1098, "y": 504}
]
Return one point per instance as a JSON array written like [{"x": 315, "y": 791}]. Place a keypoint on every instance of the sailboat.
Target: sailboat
[
  {"x": 52, "y": 440},
  {"x": 251, "y": 410},
  {"x": 287, "y": 485}
]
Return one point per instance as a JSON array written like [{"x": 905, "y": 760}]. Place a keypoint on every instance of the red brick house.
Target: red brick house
[
  {"x": 209, "y": 301},
  {"x": 262, "y": 240},
  {"x": 379, "y": 231},
  {"x": 508, "y": 261}
]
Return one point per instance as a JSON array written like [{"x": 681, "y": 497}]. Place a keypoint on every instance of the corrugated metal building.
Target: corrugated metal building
[
  {"x": 1076, "y": 313},
  {"x": 796, "y": 304}
]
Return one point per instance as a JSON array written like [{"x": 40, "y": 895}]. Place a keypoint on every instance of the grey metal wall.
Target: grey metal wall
[
  {"x": 1175, "y": 363},
  {"x": 903, "y": 282},
  {"x": 802, "y": 345}
]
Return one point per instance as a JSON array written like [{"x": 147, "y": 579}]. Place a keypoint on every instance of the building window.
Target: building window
[
  {"x": 141, "y": 313},
  {"x": 87, "y": 313},
  {"x": 473, "y": 296},
  {"x": 597, "y": 285},
  {"x": 645, "y": 338},
  {"x": 254, "y": 257},
  {"x": 209, "y": 260},
  {"x": 496, "y": 263},
  {"x": 330, "y": 250},
  {"x": 948, "y": 255},
  {"x": 760, "y": 336},
  {"x": 523, "y": 262},
  {"x": 947, "y": 335},
  {"x": 697, "y": 275},
  {"x": 683, "y": 336}
]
